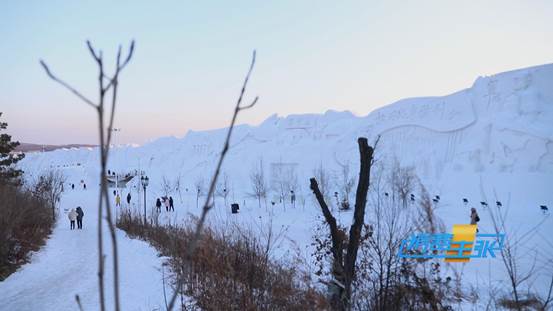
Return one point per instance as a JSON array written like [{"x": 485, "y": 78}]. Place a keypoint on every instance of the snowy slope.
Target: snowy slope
[
  {"x": 500, "y": 124},
  {"x": 492, "y": 141}
]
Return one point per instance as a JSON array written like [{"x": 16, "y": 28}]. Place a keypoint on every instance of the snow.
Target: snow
[
  {"x": 492, "y": 141},
  {"x": 68, "y": 265}
]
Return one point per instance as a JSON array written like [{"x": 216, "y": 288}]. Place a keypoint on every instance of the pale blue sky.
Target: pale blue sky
[{"x": 191, "y": 57}]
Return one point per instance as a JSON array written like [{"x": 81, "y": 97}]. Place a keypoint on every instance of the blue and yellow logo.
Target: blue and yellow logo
[{"x": 460, "y": 246}]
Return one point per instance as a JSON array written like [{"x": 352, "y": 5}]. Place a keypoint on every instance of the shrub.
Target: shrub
[
  {"x": 25, "y": 222},
  {"x": 230, "y": 270}
]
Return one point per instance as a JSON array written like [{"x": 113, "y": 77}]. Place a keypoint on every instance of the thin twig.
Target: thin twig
[
  {"x": 66, "y": 85},
  {"x": 79, "y": 302},
  {"x": 104, "y": 153},
  {"x": 208, "y": 205}
]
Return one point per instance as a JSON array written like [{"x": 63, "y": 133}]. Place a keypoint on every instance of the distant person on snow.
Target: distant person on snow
[
  {"x": 84, "y": 186},
  {"x": 171, "y": 206},
  {"x": 474, "y": 218},
  {"x": 73, "y": 186},
  {"x": 117, "y": 200},
  {"x": 129, "y": 199},
  {"x": 72, "y": 216},
  {"x": 80, "y": 215},
  {"x": 166, "y": 202},
  {"x": 158, "y": 205}
]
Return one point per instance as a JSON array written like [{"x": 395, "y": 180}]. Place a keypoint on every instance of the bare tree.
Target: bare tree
[
  {"x": 511, "y": 258},
  {"x": 402, "y": 181},
  {"x": 50, "y": 187},
  {"x": 199, "y": 186},
  {"x": 166, "y": 186},
  {"x": 290, "y": 184},
  {"x": 323, "y": 180},
  {"x": 258, "y": 182},
  {"x": 385, "y": 281},
  {"x": 222, "y": 190},
  {"x": 345, "y": 182},
  {"x": 178, "y": 186},
  {"x": 106, "y": 84},
  {"x": 343, "y": 264},
  {"x": 208, "y": 200}
]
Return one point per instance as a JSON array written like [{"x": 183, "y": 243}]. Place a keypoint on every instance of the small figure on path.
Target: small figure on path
[
  {"x": 129, "y": 199},
  {"x": 72, "y": 186},
  {"x": 80, "y": 215},
  {"x": 84, "y": 186},
  {"x": 158, "y": 205},
  {"x": 171, "y": 206},
  {"x": 72, "y": 216},
  {"x": 474, "y": 218},
  {"x": 117, "y": 200}
]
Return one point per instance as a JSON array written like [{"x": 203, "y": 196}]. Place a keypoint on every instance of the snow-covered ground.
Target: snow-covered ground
[
  {"x": 68, "y": 266},
  {"x": 490, "y": 142}
]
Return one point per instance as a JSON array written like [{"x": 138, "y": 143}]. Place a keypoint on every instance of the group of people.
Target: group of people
[
  {"x": 168, "y": 202},
  {"x": 77, "y": 215},
  {"x": 118, "y": 198},
  {"x": 82, "y": 183}
]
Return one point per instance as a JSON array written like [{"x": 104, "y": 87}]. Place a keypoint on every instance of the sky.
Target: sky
[{"x": 191, "y": 58}]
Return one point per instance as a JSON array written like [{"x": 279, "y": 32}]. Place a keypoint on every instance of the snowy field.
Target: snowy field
[{"x": 490, "y": 142}]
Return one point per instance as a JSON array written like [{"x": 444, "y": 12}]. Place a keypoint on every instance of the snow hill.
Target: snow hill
[
  {"x": 502, "y": 124},
  {"x": 490, "y": 142}
]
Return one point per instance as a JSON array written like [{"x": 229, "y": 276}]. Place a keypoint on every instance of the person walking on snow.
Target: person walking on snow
[
  {"x": 129, "y": 199},
  {"x": 158, "y": 205},
  {"x": 80, "y": 215},
  {"x": 72, "y": 216},
  {"x": 117, "y": 200},
  {"x": 166, "y": 201},
  {"x": 171, "y": 206},
  {"x": 474, "y": 218}
]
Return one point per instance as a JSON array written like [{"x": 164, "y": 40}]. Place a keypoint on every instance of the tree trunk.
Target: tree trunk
[{"x": 343, "y": 268}]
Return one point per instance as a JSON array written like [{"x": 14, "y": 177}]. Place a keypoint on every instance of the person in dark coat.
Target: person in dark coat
[
  {"x": 84, "y": 186},
  {"x": 171, "y": 206},
  {"x": 129, "y": 198},
  {"x": 72, "y": 186},
  {"x": 474, "y": 218},
  {"x": 158, "y": 205},
  {"x": 80, "y": 215}
]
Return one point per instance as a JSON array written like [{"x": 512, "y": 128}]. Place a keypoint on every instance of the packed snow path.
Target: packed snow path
[{"x": 68, "y": 264}]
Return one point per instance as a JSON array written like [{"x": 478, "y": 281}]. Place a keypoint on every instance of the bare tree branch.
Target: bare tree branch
[
  {"x": 343, "y": 268},
  {"x": 79, "y": 302},
  {"x": 67, "y": 86},
  {"x": 105, "y": 140},
  {"x": 207, "y": 205}
]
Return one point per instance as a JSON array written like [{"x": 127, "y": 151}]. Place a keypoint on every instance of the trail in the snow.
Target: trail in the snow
[{"x": 68, "y": 265}]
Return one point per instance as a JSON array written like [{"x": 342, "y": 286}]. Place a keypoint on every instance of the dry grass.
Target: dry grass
[{"x": 229, "y": 270}]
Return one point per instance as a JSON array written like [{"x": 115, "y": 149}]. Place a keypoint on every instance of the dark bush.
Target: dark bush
[{"x": 25, "y": 222}]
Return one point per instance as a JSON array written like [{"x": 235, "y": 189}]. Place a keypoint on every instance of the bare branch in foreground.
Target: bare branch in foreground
[
  {"x": 67, "y": 86},
  {"x": 105, "y": 141},
  {"x": 208, "y": 205}
]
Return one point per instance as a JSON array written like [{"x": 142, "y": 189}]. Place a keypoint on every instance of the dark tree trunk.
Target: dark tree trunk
[{"x": 343, "y": 268}]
